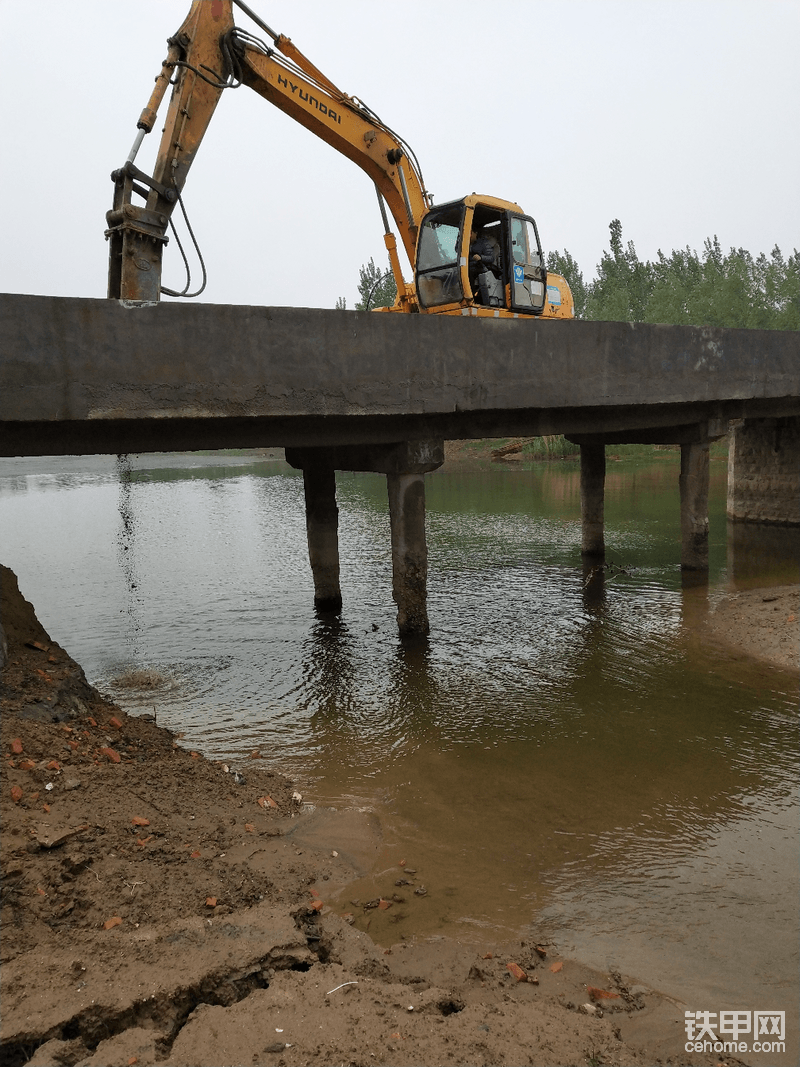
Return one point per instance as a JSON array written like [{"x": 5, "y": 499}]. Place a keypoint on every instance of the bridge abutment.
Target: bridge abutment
[{"x": 764, "y": 471}]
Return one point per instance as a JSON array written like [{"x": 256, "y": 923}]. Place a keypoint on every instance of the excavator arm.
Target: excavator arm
[{"x": 207, "y": 55}]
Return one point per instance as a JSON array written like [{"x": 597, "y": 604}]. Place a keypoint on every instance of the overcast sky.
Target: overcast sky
[{"x": 680, "y": 118}]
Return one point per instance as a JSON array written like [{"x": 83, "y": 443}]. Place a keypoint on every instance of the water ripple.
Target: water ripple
[{"x": 557, "y": 757}]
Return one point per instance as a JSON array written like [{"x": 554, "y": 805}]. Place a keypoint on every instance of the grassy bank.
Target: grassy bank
[{"x": 556, "y": 446}]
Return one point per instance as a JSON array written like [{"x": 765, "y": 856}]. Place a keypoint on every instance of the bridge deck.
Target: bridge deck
[{"x": 88, "y": 376}]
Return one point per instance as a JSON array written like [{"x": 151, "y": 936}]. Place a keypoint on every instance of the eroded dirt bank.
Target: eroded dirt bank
[{"x": 160, "y": 908}]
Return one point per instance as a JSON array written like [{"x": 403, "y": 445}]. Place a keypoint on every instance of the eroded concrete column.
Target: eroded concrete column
[
  {"x": 409, "y": 551},
  {"x": 694, "y": 506},
  {"x": 322, "y": 529},
  {"x": 593, "y": 483}
]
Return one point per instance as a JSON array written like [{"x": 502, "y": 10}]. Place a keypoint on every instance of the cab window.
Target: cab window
[
  {"x": 438, "y": 269},
  {"x": 528, "y": 276},
  {"x": 524, "y": 243}
]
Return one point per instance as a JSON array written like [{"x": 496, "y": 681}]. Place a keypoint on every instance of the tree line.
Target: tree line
[{"x": 713, "y": 288}]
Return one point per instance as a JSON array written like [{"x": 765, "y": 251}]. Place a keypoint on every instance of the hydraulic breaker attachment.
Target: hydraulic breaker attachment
[
  {"x": 137, "y": 236},
  {"x": 198, "y": 68}
]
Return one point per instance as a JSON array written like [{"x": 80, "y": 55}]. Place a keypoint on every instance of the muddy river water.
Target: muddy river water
[{"x": 557, "y": 760}]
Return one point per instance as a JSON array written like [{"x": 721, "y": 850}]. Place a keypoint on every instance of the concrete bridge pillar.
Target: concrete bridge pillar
[
  {"x": 764, "y": 471},
  {"x": 593, "y": 484},
  {"x": 694, "y": 506},
  {"x": 409, "y": 551},
  {"x": 322, "y": 530},
  {"x": 694, "y": 439},
  {"x": 405, "y": 464}
]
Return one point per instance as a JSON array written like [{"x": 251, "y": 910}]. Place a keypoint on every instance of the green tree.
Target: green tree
[
  {"x": 737, "y": 289},
  {"x": 377, "y": 288},
  {"x": 715, "y": 289},
  {"x": 783, "y": 289},
  {"x": 623, "y": 284},
  {"x": 341, "y": 303},
  {"x": 563, "y": 263},
  {"x": 673, "y": 279}
]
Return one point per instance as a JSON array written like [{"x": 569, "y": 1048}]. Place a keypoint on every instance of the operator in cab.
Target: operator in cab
[
  {"x": 481, "y": 255},
  {"x": 483, "y": 268}
]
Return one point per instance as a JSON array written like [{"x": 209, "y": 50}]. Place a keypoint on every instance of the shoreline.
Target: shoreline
[
  {"x": 157, "y": 910},
  {"x": 759, "y": 624}
]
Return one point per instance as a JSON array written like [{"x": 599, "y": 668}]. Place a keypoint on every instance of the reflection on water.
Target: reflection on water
[{"x": 560, "y": 756}]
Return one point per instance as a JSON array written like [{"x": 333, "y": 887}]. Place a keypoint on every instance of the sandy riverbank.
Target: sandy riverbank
[
  {"x": 158, "y": 909},
  {"x": 761, "y": 624}
]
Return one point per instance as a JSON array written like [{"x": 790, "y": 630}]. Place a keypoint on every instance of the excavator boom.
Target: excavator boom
[
  {"x": 207, "y": 55},
  {"x": 210, "y": 54}
]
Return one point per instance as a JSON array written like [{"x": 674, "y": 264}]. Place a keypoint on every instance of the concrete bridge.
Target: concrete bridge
[{"x": 356, "y": 391}]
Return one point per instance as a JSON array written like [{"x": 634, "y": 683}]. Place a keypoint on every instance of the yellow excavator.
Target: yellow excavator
[{"x": 475, "y": 256}]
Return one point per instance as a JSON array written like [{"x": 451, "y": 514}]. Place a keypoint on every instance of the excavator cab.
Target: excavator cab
[{"x": 449, "y": 279}]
